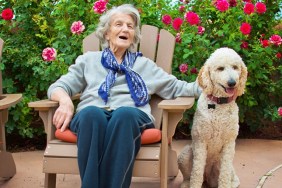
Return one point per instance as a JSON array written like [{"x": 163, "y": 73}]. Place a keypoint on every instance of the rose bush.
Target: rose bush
[
  {"x": 253, "y": 29},
  {"x": 42, "y": 38}
]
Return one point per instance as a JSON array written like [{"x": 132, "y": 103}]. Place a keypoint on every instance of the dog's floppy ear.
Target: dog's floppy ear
[
  {"x": 204, "y": 80},
  {"x": 242, "y": 79}
]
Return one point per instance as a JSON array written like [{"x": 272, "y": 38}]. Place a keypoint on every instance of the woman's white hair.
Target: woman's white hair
[{"x": 105, "y": 21}]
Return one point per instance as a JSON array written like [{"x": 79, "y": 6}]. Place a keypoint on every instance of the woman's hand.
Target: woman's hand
[{"x": 63, "y": 115}]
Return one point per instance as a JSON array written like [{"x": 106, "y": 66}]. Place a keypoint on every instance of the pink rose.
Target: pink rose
[
  {"x": 176, "y": 24},
  {"x": 100, "y": 6},
  {"x": 245, "y": 28},
  {"x": 249, "y": 8},
  {"x": 178, "y": 38},
  {"x": 201, "y": 30},
  {"x": 222, "y": 5},
  {"x": 276, "y": 40},
  {"x": 280, "y": 111},
  {"x": 77, "y": 27},
  {"x": 49, "y": 54},
  {"x": 192, "y": 18},
  {"x": 166, "y": 19},
  {"x": 7, "y": 14},
  {"x": 260, "y": 8},
  {"x": 183, "y": 68},
  {"x": 181, "y": 8}
]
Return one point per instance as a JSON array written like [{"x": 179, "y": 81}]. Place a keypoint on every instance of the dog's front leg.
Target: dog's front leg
[
  {"x": 199, "y": 163},
  {"x": 226, "y": 165}
]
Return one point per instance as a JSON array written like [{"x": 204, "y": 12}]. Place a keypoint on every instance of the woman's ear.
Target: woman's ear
[
  {"x": 204, "y": 80},
  {"x": 242, "y": 79}
]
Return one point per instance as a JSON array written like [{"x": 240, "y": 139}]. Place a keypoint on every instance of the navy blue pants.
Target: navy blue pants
[{"x": 108, "y": 142}]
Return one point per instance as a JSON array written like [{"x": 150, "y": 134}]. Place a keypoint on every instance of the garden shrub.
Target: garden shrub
[{"x": 200, "y": 27}]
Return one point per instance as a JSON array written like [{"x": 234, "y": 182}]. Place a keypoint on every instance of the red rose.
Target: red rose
[
  {"x": 249, "y": 8},
  {"x": 260, "y": 7},
  {"x": 176, "y": 24},
  {"x": 7, "y": 14},
  {"x": 280, "y": 111},
  {"x": 192, "y": 18},
  {"x": 166, "y": 19},
  {"x": 244, "y": 45},
  {"x": 232, "y": 3},
  {"x": 264, "y": 43},
  {"x": 245, "y": 28},
  {"x": 222, "y": 5},
  {"x": 278, "y": 55},
  {"x": 194, "y": 70}
]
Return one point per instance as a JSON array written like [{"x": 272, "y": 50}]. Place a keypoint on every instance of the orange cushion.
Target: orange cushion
[{"x": 149, "y": 136}]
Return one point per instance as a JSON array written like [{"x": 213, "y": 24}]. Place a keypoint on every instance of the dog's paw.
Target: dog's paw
[
  {"x": 185, "y": 184},
  {"x": 235, "y": 182}
]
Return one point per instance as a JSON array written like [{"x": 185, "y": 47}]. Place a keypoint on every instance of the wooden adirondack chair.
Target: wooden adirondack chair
[
  {"x": 7, "y": 164},
  {"x": 154, "y": 160}
]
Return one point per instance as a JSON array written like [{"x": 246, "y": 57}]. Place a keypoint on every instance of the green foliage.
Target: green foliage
[{"x": 46, "y": 23}]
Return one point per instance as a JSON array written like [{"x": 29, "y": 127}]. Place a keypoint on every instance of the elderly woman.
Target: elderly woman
[{"x": 115, "y": 85}]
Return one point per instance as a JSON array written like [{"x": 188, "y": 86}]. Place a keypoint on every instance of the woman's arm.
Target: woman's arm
[{"x": 64, "y": 112}]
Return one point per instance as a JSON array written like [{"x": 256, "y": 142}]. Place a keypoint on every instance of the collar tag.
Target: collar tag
[{"x": 211, "y": 106}]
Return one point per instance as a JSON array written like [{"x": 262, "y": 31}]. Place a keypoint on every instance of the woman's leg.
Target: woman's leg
[
  {"x": 90, "y": 125},
  {"x": 121, "y": 144}
]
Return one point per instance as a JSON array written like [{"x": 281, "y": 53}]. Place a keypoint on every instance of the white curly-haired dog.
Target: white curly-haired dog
[{"x": 208, "y": 162}]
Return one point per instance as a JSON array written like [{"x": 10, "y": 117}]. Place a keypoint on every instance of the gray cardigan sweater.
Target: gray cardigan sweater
[{"x": 87, "y": 75}]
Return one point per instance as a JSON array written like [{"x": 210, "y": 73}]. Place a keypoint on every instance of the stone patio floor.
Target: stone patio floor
[{"x": 254, "y": 158}]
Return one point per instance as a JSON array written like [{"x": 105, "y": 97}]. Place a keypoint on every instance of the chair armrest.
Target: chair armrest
[
  {"x": 8, "y": 100},
  {"x": 43, "y": 104},
  {"x": 172, "y": 113},
  {"x": 179, "y": 103},
  {"x": 46, "y": 103}
]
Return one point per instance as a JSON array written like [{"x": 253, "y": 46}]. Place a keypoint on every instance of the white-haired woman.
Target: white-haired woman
[{"x": 115, "y": 86}]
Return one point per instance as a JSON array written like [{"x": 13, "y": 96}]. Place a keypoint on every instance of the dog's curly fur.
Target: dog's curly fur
[{"x": 208, "y": 162}]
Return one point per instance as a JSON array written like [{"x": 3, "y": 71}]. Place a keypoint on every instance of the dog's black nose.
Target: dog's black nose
[{"x": 231, "y": 83}]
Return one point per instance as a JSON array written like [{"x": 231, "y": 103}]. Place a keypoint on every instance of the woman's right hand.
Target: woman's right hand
[{"x": 64, "y": 113}]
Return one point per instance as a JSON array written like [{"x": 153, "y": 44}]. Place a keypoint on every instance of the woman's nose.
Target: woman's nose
[{"x": 125, "y": 27}]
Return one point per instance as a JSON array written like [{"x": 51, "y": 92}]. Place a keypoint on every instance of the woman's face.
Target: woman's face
[{"x": 121, "y": 32}]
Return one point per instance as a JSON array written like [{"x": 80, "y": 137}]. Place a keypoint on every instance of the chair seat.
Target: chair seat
[{"x": 149, "y": 136}]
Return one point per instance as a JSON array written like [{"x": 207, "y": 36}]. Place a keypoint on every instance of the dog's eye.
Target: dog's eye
[
  {"x": 235, "y": 67},
  {"x": 220, "y": 68}
]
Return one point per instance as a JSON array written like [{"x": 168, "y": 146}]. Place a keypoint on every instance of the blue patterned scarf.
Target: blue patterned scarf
[{"x": 137, "y": 87}]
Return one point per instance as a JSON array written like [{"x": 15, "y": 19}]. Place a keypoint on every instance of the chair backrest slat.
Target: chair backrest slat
[
  {"x": 1, "y": 48},
  {"x": 148, "y": 42},
  {"x": 157, "y": 48},
  {"x": 91, "y": 43},
  {"x": 165, "y": 50}
]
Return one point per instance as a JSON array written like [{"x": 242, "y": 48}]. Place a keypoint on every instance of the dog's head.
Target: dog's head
[{"x": 224, "y": 74}]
